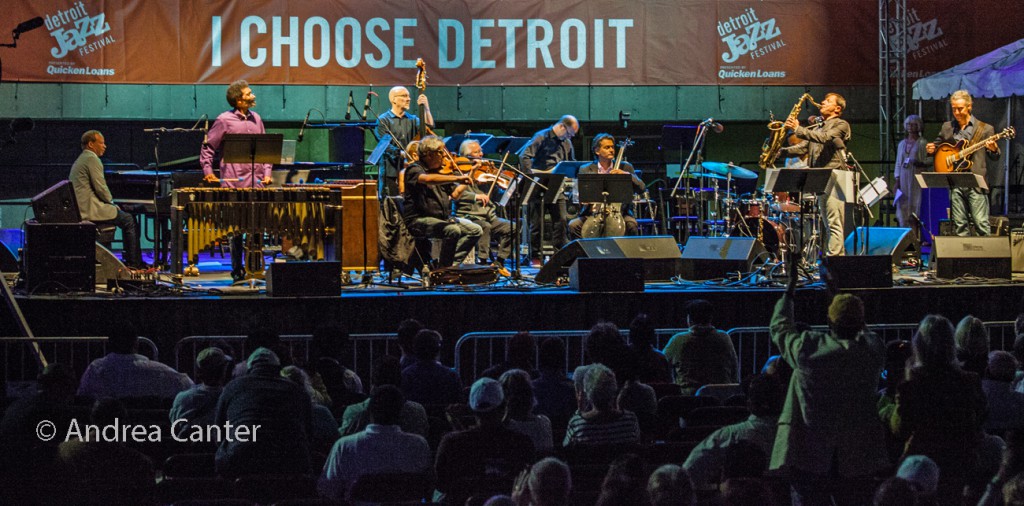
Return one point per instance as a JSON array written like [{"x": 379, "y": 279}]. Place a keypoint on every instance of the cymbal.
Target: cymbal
[
  {"x": 728, "y": 168},
  {"x": 706, "y": 175}
]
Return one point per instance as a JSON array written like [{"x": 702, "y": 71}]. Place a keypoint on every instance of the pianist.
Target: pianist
[
  {"x": 94, "y": 200},
  {"x": 239, "y": 120}
]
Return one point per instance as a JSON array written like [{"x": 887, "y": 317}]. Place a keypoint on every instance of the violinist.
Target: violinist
[
  {"x": 403, "y": 126},
  {"x": 427, "y": 209},
  {"x": 604, "y": 147},
  {"x": 473, "y": 202},
  {"x": 548, "y": 147}
]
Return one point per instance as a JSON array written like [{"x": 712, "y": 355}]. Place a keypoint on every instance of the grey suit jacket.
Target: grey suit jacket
[{"x": 94, "y": 200}]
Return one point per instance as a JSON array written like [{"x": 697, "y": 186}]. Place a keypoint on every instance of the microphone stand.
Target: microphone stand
[
  {"x": 157, "y": 226},
  {"x": 861, "y": 203},
  {"x": 698, "y": 146}
]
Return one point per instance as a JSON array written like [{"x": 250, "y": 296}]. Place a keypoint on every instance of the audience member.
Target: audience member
[
  {"x": 407, "y": 331},
  {"x": 830, "y": 441},
  {"x": 520, "y": 353},
  {"x": 635, "y": 396},
  {"x": 1013, "y": 491},
  {"x": 484, "y": 459},
  {"x": 124, "y": 373},
  {"x": 625, "y": 482},
  {"x": 519, "y": 410},
  {"x": 426, "y": 381},
  {"x": 599, "y": 421},
  {"x": 386, "y": 371},
  {"x": 554, "y": 393},
  {"x": 654, "y": 367},
  {"x": 197, "y": 406},
  {"x": 923, "y": 476},
  {"x": 748, "y": 492},
  {"x": 895, "y": 492},
  {"x": 1005, "y": 405},
  {"x": 605, "y": 345},
  {"x": 972, "y": 346},
  {"x": 1012, "y": 465},
  {"x": 897, "y": 355},
  {"x": 706, "y": 461},
  {"x": 95, "y": 470},
  {"x": 940, "y": 409},
  {"x": 703, "y": 354},
  {"x": 26, "y": 460},
  {"x": 335, "y": 385},
  {"x": 670, "y": 485},
  {"x": 547, "y": 483},
  {"x": 381, "y": 448},
  {"x": 258, "y": 338},
  {"x": 324, "y": 426},
  {"x": 282, "y": 411}
]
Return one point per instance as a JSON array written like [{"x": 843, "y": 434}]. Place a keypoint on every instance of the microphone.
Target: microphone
[
  {"x": 714, "y": 125},
  {"x": 302, "y": 129},
  {"x": 840, "y": 147},
  {"x": 29, "y": 25},
  {"x": 348, "y": 110},
  {"x": 366, "y": 104}
]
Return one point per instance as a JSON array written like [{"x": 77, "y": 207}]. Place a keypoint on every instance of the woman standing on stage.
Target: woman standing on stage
[{"x": 911, "y": 159}]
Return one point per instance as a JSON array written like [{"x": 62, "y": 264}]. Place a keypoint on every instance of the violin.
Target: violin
[{"x": 485, "y": 171}]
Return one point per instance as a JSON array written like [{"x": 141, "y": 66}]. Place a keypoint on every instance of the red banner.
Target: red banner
[{"x": 490, "y": 42}]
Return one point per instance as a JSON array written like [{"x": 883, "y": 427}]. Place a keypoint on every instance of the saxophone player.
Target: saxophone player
[{"x": 824, "y": 144}]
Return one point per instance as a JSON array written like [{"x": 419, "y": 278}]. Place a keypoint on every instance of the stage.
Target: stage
[{"x": 209, "y": 305}]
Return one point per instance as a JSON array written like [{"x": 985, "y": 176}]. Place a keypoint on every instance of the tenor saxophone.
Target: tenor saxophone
[{"x": 777, "y": 134}]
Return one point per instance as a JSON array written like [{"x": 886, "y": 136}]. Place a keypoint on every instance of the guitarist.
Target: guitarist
[{"x": 968, "y": 204}]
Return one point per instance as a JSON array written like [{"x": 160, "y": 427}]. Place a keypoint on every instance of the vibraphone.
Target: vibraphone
[{"x": 307, "y": 215}]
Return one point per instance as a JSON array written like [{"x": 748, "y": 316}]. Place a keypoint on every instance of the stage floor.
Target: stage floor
[{"x": 211, "y": 304}]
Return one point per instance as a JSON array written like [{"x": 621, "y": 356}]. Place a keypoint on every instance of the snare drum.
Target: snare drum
[{"x": 751, "y": 208}]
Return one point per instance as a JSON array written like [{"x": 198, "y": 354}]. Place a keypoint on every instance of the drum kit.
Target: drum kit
[{"x": 774, "y": 219}]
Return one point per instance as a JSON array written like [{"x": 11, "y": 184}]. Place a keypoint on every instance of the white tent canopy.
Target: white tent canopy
[{"x": 998, "y": 74}]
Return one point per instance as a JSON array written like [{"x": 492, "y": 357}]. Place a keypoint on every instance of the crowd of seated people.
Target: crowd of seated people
[{"x": 837, "y": 417}]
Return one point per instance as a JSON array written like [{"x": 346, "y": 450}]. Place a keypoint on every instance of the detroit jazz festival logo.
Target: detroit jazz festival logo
[
  {"x": 747, "y": 35},
  {"x": 923, "y": 38},
  {"x": 76, "y": 30}
]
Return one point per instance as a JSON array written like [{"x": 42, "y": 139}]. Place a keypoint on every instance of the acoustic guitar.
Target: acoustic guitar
[{"x": 956, "y": 157}]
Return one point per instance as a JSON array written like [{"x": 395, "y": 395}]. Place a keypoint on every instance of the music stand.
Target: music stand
[
  {"x": 503, "y": 144},
  {"x": 797, "y": 180},
  {"x": 951, "y": 180},
  {"x": 605, "y": 187},
  {"x": 568, "y": 169},
  {"x": 252, "y": 149},
  {"x": 454, "y": 142}
]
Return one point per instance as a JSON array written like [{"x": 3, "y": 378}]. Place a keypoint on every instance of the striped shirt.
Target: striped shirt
[{"x": 607, "y": 428}]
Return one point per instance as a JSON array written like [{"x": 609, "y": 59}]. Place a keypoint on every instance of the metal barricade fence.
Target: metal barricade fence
[
  {"x": 365, "y": 350},
  {"x": 477, "y": 351},
  {"x": 77, "y": 352}
]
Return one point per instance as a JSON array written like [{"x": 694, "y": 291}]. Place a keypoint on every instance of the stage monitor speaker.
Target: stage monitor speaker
[
  {"x": 986, "y": 257},
  {"x": 716, "y": 257},
  {"x": 8, "y": 260},
  {"x": 57, "y": 204},
  {"x": 892, "y": 241},
  {"x": 660, "y": 255},
  {"x": 607, "y": 275},
  {"x": 60, "y": 257},
  {"x": 857, "y": 271},
  {"x": 304, "y": 279},
  {"x": 1017, "y": 249},
  {"x": 347, "y": 145},
  {"x": 108, "y": 266}
]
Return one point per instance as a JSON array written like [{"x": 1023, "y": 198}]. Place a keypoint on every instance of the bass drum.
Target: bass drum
[{"x": 773, "y": 234}]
